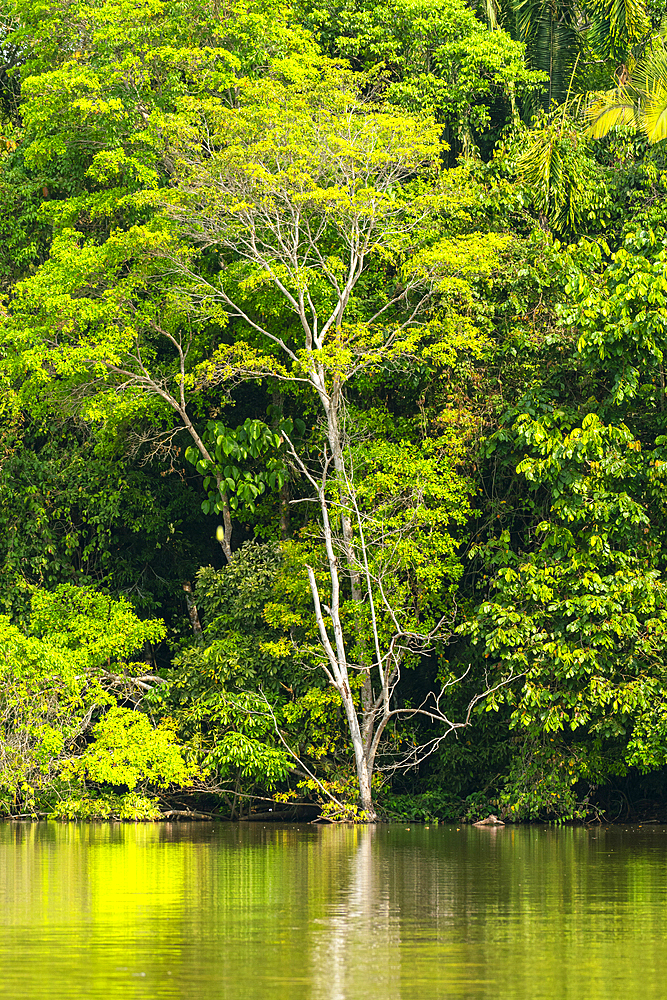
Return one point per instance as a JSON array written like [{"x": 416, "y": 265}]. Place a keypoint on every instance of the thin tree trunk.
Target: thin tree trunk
[
  {"x": 336, "y": 444},
  {"x": 361, "y": 733},
  {"x": 284, "y": 497},
  {"x": 364, "y": 775},
  {"x": 193, "y": 614},
  {"x": 284, "y": 518},
  {"x": 226, "y": 540}
]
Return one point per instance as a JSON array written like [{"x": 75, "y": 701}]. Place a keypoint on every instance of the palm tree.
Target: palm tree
[
  {"x": 550, "y": 29},
  {"x": 556, "y": 32},
  {"x": 615, "y": 27},
  {"x": 640, "y": 100}
]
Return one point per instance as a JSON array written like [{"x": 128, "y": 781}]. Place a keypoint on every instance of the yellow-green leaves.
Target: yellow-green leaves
[
  {"x": 640, "y": 102},
  {"x": 620, "y": 312},
  {"x": 53, "y": 680},
  {"x": 128, "y": 750},
  {"x": 430, "y": 56},
  {"x": 99, "y": 629},
  {"x": 560, "y": 176},
  {"x": 299, "y": 191}
]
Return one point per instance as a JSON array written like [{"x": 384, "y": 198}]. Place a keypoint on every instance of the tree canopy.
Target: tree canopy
[{"x": 333, "y": 408}]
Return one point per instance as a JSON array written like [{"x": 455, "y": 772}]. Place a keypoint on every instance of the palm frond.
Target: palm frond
[
  {"x": 492, "y": 14},
  {"x": 642, "y": 103},
  {"x": 651, "y": 70},
  {"x": 550, "y": 31},
  {"x": 650, "y": 77},
  {"x": 613, "y": 110},
  {"x": 617, "y": 25},
  {"x": 654, "y": 117}
]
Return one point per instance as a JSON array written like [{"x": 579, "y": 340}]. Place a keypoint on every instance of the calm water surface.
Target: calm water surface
[{"x": 311, "y": 913}]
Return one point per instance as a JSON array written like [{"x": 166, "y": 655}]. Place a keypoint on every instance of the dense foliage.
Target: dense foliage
[{"x": 333, "y": 442}]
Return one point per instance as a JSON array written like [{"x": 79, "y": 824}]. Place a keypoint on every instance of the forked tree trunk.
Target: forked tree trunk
[{"x": 360, "y": 724}]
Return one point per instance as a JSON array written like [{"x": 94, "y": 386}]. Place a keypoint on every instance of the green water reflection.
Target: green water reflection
[{"x": 308, "y": 913}]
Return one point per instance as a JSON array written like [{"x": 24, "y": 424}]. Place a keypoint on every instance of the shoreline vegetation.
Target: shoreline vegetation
[
  {"x": 298, "y": 819},
  {"x": 333, "y": 437}
]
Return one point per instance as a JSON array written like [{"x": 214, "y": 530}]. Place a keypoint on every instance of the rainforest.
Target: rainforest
[{"x": 333, "y": 432}]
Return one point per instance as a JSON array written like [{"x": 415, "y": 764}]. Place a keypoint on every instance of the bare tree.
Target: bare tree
[
  {"x": 297, "y": 194},
  {"x": 392, "y": 642}
]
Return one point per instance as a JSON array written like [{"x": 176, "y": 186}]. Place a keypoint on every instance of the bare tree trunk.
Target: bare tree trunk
[
  {"x": 336, "y": 443},
  {"x": 368, "y": 723},
  {"x": 364, "y": 772},
  {"x": 361, "y": 733},
  {"x": 236, "y": 794}
]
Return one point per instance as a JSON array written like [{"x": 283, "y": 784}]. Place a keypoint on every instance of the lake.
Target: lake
[{"x": 252, "y": 912}]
